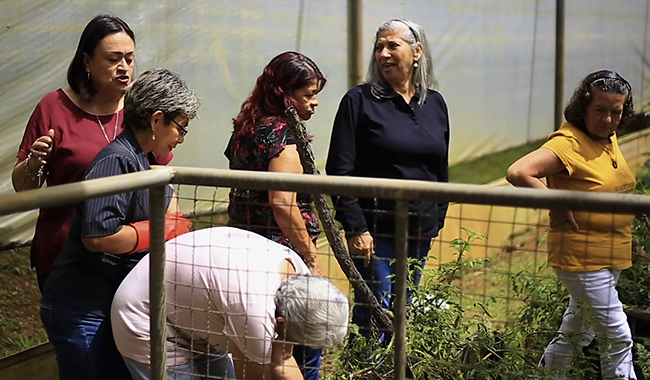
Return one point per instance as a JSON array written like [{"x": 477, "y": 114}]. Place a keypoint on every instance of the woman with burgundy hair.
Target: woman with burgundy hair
[{"x": 263, "y": 141}]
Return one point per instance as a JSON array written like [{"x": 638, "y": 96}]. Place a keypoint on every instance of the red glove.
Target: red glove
[
  {"x": 175, "y": 225},
  {"x": 164, "y": 160}
]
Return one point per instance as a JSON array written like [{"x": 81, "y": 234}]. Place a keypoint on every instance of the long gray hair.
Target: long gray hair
[
  {"x": 157, "y": 89},
  {"x": 315, "y": 310},
  {"x": 423, "y": 76}
]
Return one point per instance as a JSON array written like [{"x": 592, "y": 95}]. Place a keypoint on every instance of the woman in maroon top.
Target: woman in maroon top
[{"x": 71, "y": 125}]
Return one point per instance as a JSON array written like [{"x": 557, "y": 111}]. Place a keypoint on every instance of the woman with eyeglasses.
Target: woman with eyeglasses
[
  {"x": 71, "y": 125},
  {"x": 395, "y": 125},
  {"x": 588, "y": 250},
  {"x": 110, "y": 234}
]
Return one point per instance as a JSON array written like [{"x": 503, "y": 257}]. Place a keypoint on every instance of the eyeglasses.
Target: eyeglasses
[{"x": 183, "y": 131}]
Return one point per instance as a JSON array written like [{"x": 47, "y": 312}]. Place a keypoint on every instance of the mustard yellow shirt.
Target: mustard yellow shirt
[{"x": 604, "y": 240}]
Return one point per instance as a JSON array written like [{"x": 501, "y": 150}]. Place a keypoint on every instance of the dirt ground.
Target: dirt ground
[{"x": 20, "y": 324}]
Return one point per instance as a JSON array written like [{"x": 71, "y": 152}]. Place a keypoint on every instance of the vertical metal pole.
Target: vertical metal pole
[
  {"x": 559, "y": 63},
  {"x": 355, "y": 44},
  {"x": 401, "y": 273},
  {"x": 301, "y": 16},
  {"x": 158, "y": 323}
]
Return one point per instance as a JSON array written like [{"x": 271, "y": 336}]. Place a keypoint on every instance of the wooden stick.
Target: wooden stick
[{"x": 333, "y": 237}]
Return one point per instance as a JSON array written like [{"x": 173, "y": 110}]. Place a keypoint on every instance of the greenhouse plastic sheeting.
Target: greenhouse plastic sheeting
[{"x": 494, "y": 61}]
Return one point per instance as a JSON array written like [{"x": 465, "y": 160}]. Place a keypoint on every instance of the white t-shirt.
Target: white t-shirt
[{"x": 221, "y": 284}]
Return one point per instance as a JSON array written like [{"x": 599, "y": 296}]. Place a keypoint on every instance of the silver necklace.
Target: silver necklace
[{"x": 117, "y": 119}]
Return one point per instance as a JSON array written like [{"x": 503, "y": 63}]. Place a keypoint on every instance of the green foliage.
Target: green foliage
[
  {"x": 634, "y": 283},
  {"x": 441, "y": 342},
  {"x": 444, "y": 341},
  {"x": 642, "y": 357}
]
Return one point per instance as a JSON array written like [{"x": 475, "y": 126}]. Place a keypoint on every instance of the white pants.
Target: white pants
[{"x": 604, "y": 318}]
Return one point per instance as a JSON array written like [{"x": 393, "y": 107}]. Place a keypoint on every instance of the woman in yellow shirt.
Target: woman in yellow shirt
[{"x": 588, "y": 250}]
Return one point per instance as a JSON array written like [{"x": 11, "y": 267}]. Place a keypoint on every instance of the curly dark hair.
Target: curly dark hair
[
  {"x": 285, "y": 73},
  {"x": 602, "y": 80}
]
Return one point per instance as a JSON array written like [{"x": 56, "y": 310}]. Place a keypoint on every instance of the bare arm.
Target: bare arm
[
  {"x": 284, "y": 366},
  {"x": 528, "y": 170},
  {"x": 286, "y": 212},
  {"x": 246, "y": 369}
]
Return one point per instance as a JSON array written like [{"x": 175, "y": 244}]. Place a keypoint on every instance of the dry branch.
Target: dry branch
[{"x": 333, "y": 237}]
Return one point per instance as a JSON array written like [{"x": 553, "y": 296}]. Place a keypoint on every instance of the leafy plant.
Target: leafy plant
[
  {"x": 634, "y": 283},
  {"x": 444, "y": 341}
]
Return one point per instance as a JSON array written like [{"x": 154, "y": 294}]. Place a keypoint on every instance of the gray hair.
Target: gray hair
[
  {"x": 423, "y": 76},
  {"x": 157, "y": 89},
  {"x": 315, "y": 310}
]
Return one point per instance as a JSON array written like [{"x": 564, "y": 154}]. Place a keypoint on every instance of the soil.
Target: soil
[{"x": 20, "y": 324}]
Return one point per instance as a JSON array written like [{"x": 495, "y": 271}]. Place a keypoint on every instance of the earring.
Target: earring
[
  {"x": 153, "y": 137},
  {"x": 89, "y": 77},
  {"x": 415, "y": 64}
]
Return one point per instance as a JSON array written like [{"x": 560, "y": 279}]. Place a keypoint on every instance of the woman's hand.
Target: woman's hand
[
  {"x": 312, "y": 259},
  {"x": 26, "y": 174},
  {"x": 559, "y": 217},
  {"x": 362, "y": 245},
  {"x": 41, "y": 149}
]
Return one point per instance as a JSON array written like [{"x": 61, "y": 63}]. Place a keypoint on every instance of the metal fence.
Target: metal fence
[{"x": 399, "y": 190}]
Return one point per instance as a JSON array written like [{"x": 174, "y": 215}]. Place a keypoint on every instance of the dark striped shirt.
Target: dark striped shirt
[{"x": 88, "y": 280}]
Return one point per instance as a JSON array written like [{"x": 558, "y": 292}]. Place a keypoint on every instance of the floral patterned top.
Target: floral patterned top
[{"x": 250, "y": 209}]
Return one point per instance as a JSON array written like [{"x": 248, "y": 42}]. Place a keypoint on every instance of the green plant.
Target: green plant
[
  {"x": 441, "y": 342},
  {"x": 634, "y": 283},
  {"x": 23, "y": 343},
  {"x": 642, "y": 357},
  {"x": 445, "y": 341}
]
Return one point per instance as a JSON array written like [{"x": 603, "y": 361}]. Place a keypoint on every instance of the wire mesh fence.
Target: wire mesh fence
[{"x": 486, "y": 306}]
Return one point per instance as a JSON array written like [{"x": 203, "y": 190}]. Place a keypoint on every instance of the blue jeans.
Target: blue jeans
[
  {"x": 83, "y": 343},
  {"x": 216, "y": 365},
  {"x": 378, "y": 277},
  {"x": 308, "y": 360}
]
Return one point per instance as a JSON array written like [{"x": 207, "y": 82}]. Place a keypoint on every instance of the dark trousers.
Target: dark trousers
[{"x": 378, "y": 275}]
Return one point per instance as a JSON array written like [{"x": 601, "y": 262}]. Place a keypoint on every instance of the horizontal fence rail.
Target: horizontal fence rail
[
  {"x": 354, "y": 186},
  {"x": 415, "y": 190}
]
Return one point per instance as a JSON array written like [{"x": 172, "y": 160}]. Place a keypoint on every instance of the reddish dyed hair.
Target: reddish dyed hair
[{"x": 273, "y": 90}]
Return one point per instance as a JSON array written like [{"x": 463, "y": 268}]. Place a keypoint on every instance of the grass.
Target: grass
[{"x": 489, "y": 168}]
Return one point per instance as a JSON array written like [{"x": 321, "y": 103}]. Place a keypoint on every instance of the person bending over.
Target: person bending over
[{"x": 224, "y": 297}]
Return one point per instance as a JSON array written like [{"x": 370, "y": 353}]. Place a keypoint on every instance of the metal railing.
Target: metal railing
[{"x": 400, "y": 190}]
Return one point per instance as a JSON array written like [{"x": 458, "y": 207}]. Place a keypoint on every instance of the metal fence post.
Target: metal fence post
[
  {"x": 401, "y": 274},
  {"x": 158, "y": 321}
]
